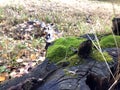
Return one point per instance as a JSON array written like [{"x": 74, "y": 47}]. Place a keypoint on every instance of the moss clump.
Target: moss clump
[
  {"x": 108, "y": 41},
  {"x": 74, "y": 60},
  {"x": 98, "y": 56},
  {"x": 62, "y": 49},
  {"x": 56, "y": 53}
]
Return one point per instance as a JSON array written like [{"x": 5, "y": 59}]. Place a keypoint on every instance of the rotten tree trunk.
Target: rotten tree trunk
[{"x": 116, "y": 26}]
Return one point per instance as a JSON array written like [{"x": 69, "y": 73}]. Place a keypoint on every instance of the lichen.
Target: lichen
[
  {"x": 98, "y": 56},
  {"x": 68, "y": 73},
  {"x": 61, "y": 50},
  {"x": 109, "y": 41}
]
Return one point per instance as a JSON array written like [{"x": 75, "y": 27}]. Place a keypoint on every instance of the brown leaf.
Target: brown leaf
[
  {"x": 4, "y": 56},
  {"x": 1, "y": 48},
  {"x": 32, "y": 56},
  {"x": 6, "y": 42},
  {"x": 3, "y": 77},
  {"x": 13, "y": 74},
  {"x": 19, "y": 60},
  {"x": 23, "y": 52}
]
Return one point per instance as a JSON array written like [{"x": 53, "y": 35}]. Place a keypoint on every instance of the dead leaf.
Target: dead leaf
[
  {"x": 13, "y": 74},
  {"x": 32, "y": 56},
  {"x": 22, "y": 70},
  {"x": 1, "y": 48},
  {"x": 23, "y": 52},
  {"x": 25, "y": 63},
  {"x": 33, "y": 64},
  {"x": 29, "y": 45},
  {"x": 6, "y": 42},
  {"x": 37, "y": 54},
  {"x": 19, "y": 60},
  {"x": 4, "y": 56},
  {"x": 3, "y": 77},
  {"x": 41, "y": 59}
]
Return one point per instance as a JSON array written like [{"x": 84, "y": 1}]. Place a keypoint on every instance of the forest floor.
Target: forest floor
[{"x": 73, "y": 17}]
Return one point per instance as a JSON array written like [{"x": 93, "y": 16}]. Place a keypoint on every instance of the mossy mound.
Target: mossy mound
[
  {"x": 98, "y": 56},
  {"x": 74, "y": 60},
  {"x": 61, "y": 50},
  {"x": 109, "y": 42},
  {"x": 56, "y": 53}
]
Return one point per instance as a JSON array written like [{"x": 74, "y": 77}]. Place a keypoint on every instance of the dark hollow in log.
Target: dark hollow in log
[{"x": 116, "y": 26}]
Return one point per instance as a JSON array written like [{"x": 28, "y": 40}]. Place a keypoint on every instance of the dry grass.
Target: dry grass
[{"x": 69, "y": 15}]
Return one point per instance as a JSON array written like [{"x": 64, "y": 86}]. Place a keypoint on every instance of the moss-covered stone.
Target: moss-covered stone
[
  {"x": 98, "y": 56},
  {"x": 108, "y": 41},
  {"x": 61, "y": 50}
]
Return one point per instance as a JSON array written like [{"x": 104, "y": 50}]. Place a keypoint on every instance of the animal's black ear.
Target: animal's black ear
[
  {"x": 85, "y": 49},
  {"x": 116, "y": 26}
]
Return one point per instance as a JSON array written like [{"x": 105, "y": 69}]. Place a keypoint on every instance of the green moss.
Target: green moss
[
  {"x": 74, "y": 60},
  {"x": 62, "y": 49},
  {"x": 56, "y": 53},
  {"x": 66, "y": 72},
  {"x": 98, "y": 56},
  {"x": 69, "y": 41},
  {"x": 108, "y": 41}
]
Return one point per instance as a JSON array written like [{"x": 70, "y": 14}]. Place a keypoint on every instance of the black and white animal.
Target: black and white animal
[{"x": 51, "y": 35}]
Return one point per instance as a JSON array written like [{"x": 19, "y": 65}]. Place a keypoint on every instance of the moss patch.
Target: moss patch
[
  {"x": 108, "y": 41},
  {"x": 56, "y": 53},
  {"x": 74, "y": 60},
  {"x": 61, "y": 50},
  {"x": 98, "y": 56}
]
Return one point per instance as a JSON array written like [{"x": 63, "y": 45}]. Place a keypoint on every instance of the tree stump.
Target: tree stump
[{"x": 116, "y": 26}]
